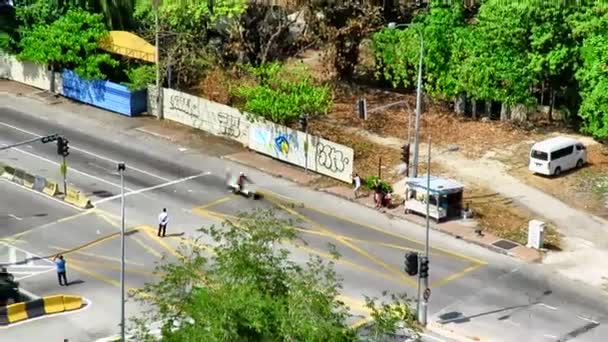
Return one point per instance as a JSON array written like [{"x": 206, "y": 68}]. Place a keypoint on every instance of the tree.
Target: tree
[
  {"x": 281, "y": 95},
  {"x": 69, "y": 42},
  {"x": 243, "y": 286}
]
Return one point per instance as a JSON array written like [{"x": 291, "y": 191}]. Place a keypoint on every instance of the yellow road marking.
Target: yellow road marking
[
  {"x": 147, "y": 248},
  {"x": 99, "y": 256},
  {"x": 112, "y": 266},
  {"x": 358, "y": 324},
  {"x": 346, "y": 262},
  {"x": 104, "y": 216},
  {"x": 382, "y": 230},
  {"x": 357, "y": 249},
  {"x": 150, "y": 231},
  {"x": 216, "y": 202},
  {"x": 74, "y": 265},
  {"x": 455, "y": 276}
]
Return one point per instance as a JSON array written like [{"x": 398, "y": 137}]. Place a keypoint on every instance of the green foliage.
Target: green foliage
[
  {"x": 374, "y": 183},
  {"x": 70, "y": 42},
  {"x": 388, "y": 316},
  {"x": 396, "y": 53},
  {"x": 282, "y": 95},
  {"x": 141, "y": 76},
  {"x": 238, "y": 282}
]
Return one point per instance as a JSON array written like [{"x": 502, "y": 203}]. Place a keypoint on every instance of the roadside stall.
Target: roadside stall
[{"x": 445, "y": 200}]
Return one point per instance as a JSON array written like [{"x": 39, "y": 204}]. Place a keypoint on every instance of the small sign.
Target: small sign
[{"x": 427, "y": 294}]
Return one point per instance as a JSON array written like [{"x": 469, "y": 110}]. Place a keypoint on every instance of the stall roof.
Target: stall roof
[{"x": 438, "y": 184}]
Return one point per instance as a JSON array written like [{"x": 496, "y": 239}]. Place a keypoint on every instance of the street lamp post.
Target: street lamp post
[
  {"x": 121, "y": 169},
  {"x": 159, "y": 109},
  {"x": 414, "y": 165},
  {"x": 422, "y": 314}
]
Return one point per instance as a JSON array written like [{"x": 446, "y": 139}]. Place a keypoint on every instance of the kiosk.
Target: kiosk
[{"x": 445, "y": 197}]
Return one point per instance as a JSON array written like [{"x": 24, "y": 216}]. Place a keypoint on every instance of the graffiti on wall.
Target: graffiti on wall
[
  {"x": 331, "y": 158},
  {"x": 277, "y": 143},
  {"x": 186, "y": 105},
  {"x": 230, "y": 125}
]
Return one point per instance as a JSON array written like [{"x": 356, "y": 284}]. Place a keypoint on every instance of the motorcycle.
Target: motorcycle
[{"x": 249, "y": 192}]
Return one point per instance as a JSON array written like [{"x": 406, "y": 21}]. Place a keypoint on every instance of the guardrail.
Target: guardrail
[{"x": 39, "y": 307}]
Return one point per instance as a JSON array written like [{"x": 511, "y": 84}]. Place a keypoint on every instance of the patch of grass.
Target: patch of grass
[{"x": 500, "y": 216}]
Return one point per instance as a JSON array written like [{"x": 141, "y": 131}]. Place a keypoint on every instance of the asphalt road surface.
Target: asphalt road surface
[{"x": 491, "y": 296}]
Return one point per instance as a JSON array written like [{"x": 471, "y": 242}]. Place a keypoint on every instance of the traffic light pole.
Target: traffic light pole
[
  {"x": 422, "y": 313},
  {"x": 64, "y": 172}
]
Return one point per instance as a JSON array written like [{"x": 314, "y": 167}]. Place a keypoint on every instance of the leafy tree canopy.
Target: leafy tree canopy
[
  {"x": 71, "y": 42},
  {"x": 281, "y": 95},
  {"x": 243, "y": 286}
]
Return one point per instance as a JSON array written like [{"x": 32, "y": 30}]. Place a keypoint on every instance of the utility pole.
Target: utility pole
[
  {"x": 414, "y": 172},
  {"x": 304, "y": 126},
  {"x": 121, "y": 169},
  {"x": 414, "y": 166},
  {"x": 159, "y": 109},
  {"x": 424, "y": 262}
]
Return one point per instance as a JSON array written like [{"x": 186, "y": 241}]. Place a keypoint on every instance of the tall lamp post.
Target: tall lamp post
[
  {"x": 159, "y": 109},
  {"x": 414, "y": 165},
  {"x": 121, "y": 169}
]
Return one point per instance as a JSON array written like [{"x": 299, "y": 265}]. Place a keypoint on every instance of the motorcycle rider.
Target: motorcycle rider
[{"x": 240, "y": 182}]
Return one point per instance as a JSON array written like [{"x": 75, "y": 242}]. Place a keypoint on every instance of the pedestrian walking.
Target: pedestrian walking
[
  {"x": 60, "y": 263},
  {"x": 357, "y": 184},
  {"x": 163, "y": 219}
]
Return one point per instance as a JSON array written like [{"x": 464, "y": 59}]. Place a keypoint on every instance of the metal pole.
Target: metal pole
[
  {"x": 424, "y": 308},
  {"x": 419, "y": 282},
  {"x": 159, "y": 110},
  {"x": 418, "y": 108},
  {"x": 64, "y": 171},
  {"x": 121, "y": 169},
  {"x": 20, "y": 143},
  {"x": 306, "y": 149}
]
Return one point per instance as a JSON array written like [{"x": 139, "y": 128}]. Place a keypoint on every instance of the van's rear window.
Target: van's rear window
[{"x": 539, "y": 155}]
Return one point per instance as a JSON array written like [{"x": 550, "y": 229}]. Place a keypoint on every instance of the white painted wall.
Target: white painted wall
[
  {"x": 34, "y": 75},
  {"x": 208, "y": 116},
  {"x": 322, "y": 156}
]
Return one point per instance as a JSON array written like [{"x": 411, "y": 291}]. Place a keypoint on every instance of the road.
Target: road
[{"x": 490, "y": 296}]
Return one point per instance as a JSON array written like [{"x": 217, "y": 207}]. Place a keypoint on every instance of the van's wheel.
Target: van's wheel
[
  {"x": 579, "y": 164},
  {"x": 557, "y": 172}
]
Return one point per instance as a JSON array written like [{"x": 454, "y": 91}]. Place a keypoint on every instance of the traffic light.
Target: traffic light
[
  {"x": 62, "y": 146},
  {"x": 424, "y": 267},
  {"x": 411, "y": 263},
  {"x": 405, "y": 153},
  {"x": 49, "y": 138},
  {"x": 303, "y": 122}
]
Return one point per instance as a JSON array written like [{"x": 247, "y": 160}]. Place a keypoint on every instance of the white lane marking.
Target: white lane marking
[
  {"x": 15, "y": 217},
  {"x": 550, "y": 336},
  {"x": 12, "y": 255},
  {"x": 548, "y": 306},
  {"x": 33, "y": 274},
  {"x": 70, "y": 169},
  {"x": 587, "y": 319},
  {"x": 43, "y": 195},
  {"x": 28, "y": 293},
  {"x": 177, "y": 181},
  {"x": 90, "y": 153}
]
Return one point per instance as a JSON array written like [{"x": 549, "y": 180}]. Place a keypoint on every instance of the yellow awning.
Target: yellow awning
[{"x": 130, "y": 45}]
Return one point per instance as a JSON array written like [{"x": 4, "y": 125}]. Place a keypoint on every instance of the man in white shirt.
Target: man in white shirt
[
  {"x": 357, "y": 184},
  {"x": 163, "y": 219}
]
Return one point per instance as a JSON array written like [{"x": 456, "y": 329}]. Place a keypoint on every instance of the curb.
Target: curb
[
  {"x": 441, "y": 330},
  {"x": 44, "y": 186}
]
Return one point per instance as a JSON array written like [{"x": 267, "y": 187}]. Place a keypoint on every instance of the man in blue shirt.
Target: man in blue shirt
[{"x": 60, "y": 263}]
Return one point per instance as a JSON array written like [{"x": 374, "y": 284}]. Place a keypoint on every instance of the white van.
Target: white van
[{"x": 555, "y": 155}]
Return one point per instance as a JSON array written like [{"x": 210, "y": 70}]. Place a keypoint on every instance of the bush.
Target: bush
[
  {"x": 374, "y": 183},
  {"x": 140, "y": 77},
  {"x": 282, "y": 95}
]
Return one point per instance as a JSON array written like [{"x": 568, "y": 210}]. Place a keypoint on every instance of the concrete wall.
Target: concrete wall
[
  {"x": 208, "y": 116},
  {"x": 317, "y": 154},
  {"x": 34, "y": 75}
]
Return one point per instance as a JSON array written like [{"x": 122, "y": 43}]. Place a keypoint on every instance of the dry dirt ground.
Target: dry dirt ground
[{"x": 474, "y": 139}]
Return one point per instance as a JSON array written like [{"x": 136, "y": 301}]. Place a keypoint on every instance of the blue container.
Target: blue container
[{"x": 105, "y": 94}]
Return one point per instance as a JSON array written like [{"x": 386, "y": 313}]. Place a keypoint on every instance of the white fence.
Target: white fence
[
  {"x": 34, "y": 75},
  {"x": 280, "y": 142}
]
